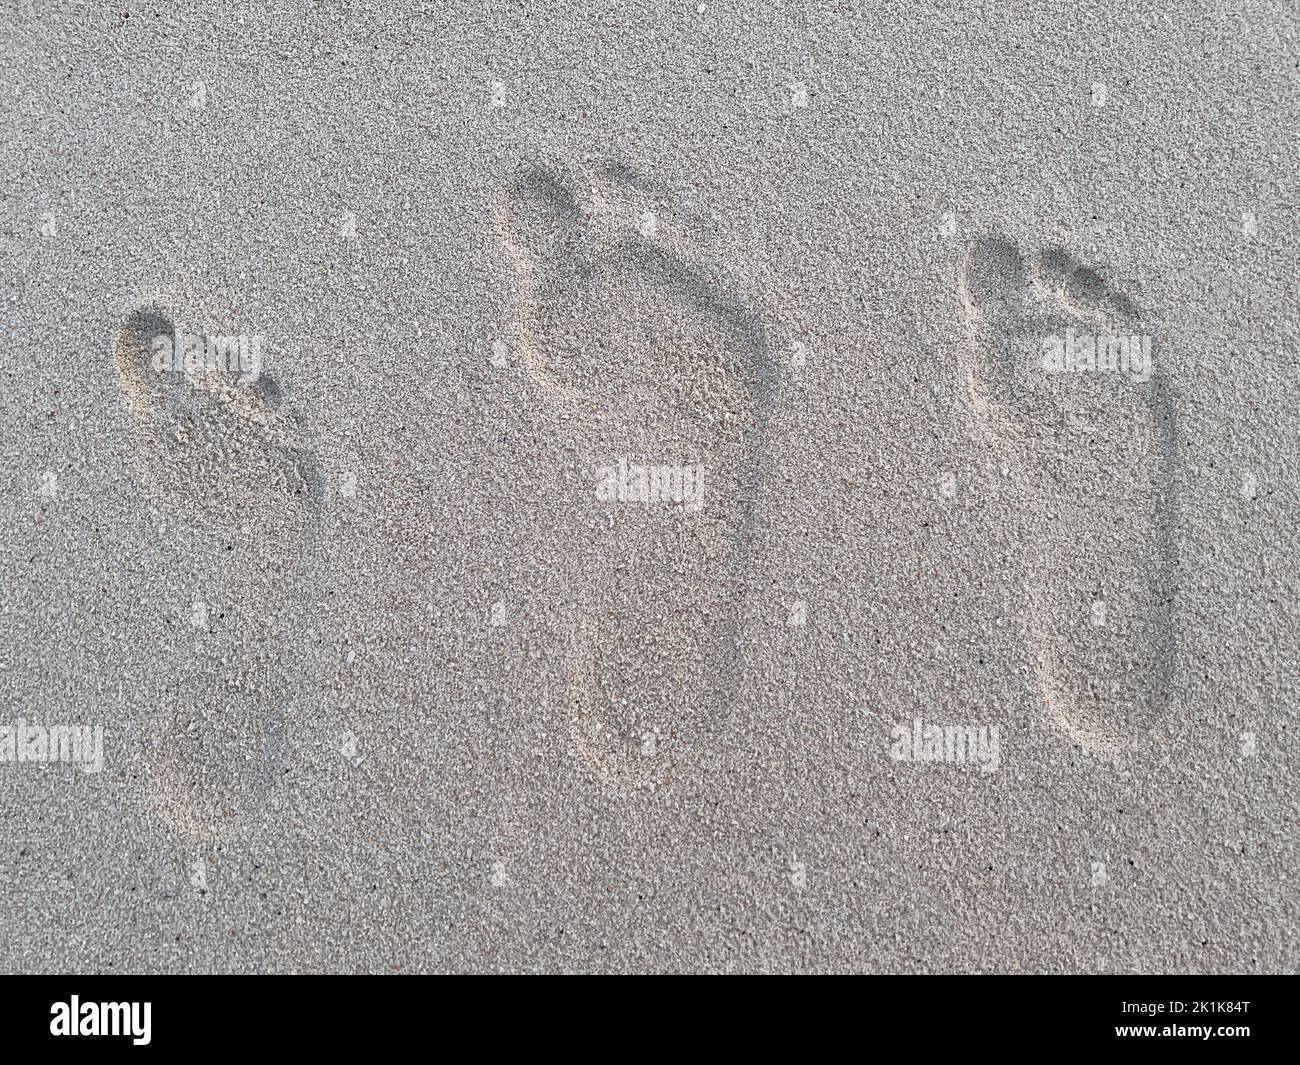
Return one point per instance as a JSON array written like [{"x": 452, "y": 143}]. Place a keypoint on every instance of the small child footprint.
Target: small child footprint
[
  {"x": 218, "y": 455},
  {"x": 663, "y": 370},
  {"x": 1068, "y": 393},
  {"x": 208, "y": 442}
]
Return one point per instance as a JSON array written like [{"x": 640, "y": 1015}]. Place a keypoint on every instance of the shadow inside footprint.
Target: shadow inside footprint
[
  {"x": 1084, "y": 290},
  {"x": 992, "y": 281}
]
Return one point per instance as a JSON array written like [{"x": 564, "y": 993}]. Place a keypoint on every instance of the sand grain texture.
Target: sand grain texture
[{"x": 388, "y": 685}]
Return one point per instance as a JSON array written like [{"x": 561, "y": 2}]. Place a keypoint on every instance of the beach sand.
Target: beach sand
[{"x": 644, "y": 441}]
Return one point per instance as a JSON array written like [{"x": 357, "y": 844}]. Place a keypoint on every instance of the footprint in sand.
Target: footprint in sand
[
  {"x": 225, "y": 465},
  {"x": 661, "y": 369},
  {"x": 208, "y": 442},
  {"x": 1065, "y": 380}
]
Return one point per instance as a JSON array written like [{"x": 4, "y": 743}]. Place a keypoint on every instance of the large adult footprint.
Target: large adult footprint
[
  {"x": 1067, "y": 388},
  {"x": 217, "y": 454},
  {"x": 666, "y": 371}
]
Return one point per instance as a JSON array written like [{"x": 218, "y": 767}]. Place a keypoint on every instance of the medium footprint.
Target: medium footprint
[
  {"x": 666, "y": 371},
  {"x": 1065, "y": 380},
  {"x": 219, "y": 456}
]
